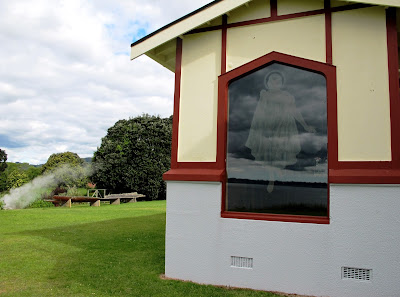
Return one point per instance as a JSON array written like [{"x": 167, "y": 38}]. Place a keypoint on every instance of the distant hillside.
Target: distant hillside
[
  {"x": 88, "y": 159},
  {"x": 23, "y": 166}
]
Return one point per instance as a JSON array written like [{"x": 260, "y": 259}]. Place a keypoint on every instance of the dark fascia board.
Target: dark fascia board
[{"x": 176, "y": 21}]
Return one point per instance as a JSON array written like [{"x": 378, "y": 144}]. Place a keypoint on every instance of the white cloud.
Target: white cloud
[{"x": 65, "y": 76}]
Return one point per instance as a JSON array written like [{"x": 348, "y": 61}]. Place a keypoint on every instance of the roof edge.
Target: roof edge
[{"x": 175, "y": 22}]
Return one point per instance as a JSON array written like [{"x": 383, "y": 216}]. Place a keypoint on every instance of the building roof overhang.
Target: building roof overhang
[{"x": 161, "y": 46}]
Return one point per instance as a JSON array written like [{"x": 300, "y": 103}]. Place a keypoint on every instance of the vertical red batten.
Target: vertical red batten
[
  {"x": 328, "y": 31},
  {"x": 221, "y": 131},
  {"x": 222, "y": 127},
  {"x": 223, "y": 43},
  {"x": 177, "y": 94},
  {"x": 274, "y": 8},
  {"x": 392, "y": 45}
]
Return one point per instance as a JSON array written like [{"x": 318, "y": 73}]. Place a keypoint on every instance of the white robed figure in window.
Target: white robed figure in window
[{"x": 273, "y": 137}]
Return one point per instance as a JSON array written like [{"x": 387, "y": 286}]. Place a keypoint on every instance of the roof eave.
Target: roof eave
[
  {"x": 165, "y": 36},
  {"x": 184, "y": 25}
]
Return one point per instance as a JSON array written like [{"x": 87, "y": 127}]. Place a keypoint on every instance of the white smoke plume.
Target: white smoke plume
[{"x": 26, "y": 194}]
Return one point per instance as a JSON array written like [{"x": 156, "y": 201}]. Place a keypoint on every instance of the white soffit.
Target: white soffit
[
  {"x": 169, "y": 32},
  {"x": 393, "y": 3}
]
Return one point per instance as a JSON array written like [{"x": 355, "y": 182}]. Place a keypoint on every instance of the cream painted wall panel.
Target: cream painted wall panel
[
  {"x": 255, "y": 9},
  {"x": 304, "y": 37},
  {"x": 201, "y": 65},
  {"x": 360, "y": 54},
  {"x": 337, "y": 3},
  {"x": 293, "y": 6}
]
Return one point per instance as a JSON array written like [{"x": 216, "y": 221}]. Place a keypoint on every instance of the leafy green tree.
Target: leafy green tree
[
  {"x": 3, "y": 181},
  {"x": 29, "y": 170},
  {"x": 59, "y": 159},
  {"x": 3, "y": 159},
  {"x": 69, "y": 169},
  {"x": 134, "y": 155},
  {"x": 33, "y": 172},
  {"x": 3, "y": 175},
  {"x": 16, "y": 179}
]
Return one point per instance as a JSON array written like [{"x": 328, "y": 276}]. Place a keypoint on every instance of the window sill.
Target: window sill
[
  {"x": 195, "y": 174},
  {"x": 275, "y": 217},
  {"x": 364, "y": 176}
]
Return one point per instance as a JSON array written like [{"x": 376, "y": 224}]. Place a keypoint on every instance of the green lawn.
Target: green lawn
[{"x": 112, "y": 250}]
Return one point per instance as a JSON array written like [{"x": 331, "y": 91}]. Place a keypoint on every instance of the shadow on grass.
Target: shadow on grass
[
  {"x": 115, "y": 257},
  {"x": 119, "y": 257}
]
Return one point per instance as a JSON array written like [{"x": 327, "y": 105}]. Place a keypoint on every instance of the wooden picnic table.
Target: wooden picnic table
[
  {"x": 95, "y": 201},
  {"x": 124, "y": 197},
  {"x": 67, "y": 200}
]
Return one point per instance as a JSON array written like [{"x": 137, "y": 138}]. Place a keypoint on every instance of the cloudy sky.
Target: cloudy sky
[{"x": 66, "y": 76}]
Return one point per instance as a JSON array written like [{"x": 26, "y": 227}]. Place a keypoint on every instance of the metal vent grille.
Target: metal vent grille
[
  {"x": 241, "y": 262},
  {"x": 356, "y": 273}
]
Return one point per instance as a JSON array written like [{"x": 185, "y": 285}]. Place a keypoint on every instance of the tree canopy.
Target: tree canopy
[
  {"x": 17, "y": 174},
  {"x": 59, "y": 159},
  {"x": 134, "y": 155},
  {"x": 3, "y": 159},
  {"x": 16, "y": 179},
  {"x": 68, "y": 169}
]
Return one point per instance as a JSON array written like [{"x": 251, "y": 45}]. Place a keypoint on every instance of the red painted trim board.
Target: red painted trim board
[
  {"x": 198, "y": 174},
  {"x": 177, "y": 94},
  {"x": 223, "y": 43},
  {"x": 328, "y": 31},
  {"x": 364, "y": 176},
  {"x": 274, "y": 8},
  {"x": 392, "y": 44},
  {"x": 275, "y": 217},
  {"x": 274, "y": 18}
]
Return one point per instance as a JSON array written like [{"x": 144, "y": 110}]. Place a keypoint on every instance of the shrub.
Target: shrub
[
  {"x": 16, "y": 179},
  {"x": 68, "y": 169},
  {"x": 40, "y": 203},
  {"x": 74, "y": 191}
]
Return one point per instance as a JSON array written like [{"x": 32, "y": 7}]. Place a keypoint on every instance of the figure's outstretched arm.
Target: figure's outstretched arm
[{"x": 297, "y": 115}]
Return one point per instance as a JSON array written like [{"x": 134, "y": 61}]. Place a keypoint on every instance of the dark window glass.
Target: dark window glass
[{"x": 277, "y": 142}]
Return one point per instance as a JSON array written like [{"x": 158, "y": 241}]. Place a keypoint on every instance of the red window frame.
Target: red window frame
[{"x": 328, "y": 71}]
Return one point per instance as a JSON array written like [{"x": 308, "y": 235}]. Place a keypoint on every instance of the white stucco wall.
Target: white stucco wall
[{"x": 288, "y": 257}]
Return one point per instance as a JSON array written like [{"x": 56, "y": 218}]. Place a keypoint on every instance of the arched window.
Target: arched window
[{"x": 277, "y": 139}]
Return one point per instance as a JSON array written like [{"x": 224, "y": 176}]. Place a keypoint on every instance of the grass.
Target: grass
[{"x": 112, "y": 250}]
